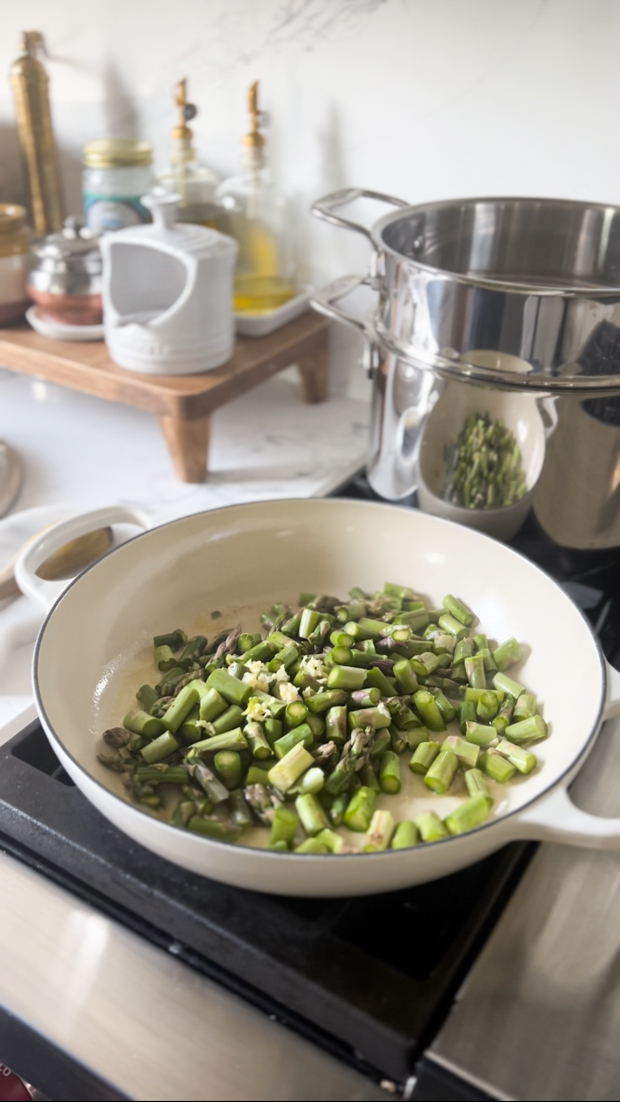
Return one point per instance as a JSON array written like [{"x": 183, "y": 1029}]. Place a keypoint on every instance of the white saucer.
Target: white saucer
[{"x": 60, "y": 331}]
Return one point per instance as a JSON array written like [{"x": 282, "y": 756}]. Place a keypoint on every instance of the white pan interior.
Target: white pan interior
[{"x": 96, "y": 647}]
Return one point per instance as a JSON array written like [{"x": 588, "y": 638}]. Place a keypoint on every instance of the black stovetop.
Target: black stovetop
[{"x": 370, "y": 979}]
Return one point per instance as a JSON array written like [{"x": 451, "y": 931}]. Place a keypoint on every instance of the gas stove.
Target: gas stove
[{"x": 368, "y": 980}]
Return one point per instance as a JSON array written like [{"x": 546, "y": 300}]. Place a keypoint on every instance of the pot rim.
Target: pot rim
[{"x": 377, "y": 229}]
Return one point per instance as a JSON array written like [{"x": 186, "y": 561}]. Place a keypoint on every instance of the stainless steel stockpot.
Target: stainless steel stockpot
[{"x": 522, "y": 294}]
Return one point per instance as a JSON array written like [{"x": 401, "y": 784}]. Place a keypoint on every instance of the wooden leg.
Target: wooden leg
[
  {"x": 188, "y": 445},
  {"x": 314, "y": 374}
]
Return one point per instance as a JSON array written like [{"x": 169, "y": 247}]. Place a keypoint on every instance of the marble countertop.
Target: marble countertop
[{"x": 86, "y": 452}]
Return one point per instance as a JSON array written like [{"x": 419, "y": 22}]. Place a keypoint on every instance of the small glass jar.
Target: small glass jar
[
  {"x": 117, "y": 173},
  {"x": 14, "y": 262}
]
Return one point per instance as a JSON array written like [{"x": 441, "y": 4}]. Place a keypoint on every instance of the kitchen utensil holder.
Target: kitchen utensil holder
[{"x": 183, "y": 404}]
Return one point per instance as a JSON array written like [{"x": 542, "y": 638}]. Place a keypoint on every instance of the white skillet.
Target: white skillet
[{"x": 94, "y": 649}]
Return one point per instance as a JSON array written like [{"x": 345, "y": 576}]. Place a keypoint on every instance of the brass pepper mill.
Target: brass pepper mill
[{"x": 34, "y": 126}]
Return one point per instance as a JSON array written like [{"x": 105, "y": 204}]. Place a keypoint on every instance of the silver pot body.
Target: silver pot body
[{"x": 520, "y": 294}]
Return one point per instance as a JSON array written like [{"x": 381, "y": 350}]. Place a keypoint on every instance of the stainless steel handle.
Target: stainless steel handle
[
  {"x": 324, "y": 300},
  {"x": 324, "y": 208}
]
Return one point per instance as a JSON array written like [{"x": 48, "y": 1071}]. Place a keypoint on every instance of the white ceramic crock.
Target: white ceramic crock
[
  {"x": 96, "y": 646},
  {"x": 167, "y": 294}
]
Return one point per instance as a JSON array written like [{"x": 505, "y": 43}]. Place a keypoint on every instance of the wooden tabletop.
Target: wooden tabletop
[{"x": 86, "y": 366}]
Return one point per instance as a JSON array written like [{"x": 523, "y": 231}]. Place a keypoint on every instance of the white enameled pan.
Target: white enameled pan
[{"x": 94, "y": 649}]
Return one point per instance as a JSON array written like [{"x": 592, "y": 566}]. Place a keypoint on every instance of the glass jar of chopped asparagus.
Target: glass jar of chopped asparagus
[{"x": 309, "y": 728}]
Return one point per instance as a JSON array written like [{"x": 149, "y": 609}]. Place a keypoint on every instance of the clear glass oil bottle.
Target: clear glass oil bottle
[
  {"x": 195, "y": 183},
  {"x": 254, "y": 213}
]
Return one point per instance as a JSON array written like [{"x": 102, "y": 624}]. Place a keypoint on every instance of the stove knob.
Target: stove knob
[{"x": 12, "y": 1088}]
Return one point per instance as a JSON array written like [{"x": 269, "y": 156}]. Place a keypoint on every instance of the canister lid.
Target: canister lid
[
  {"x": 12, "y": 218},
  {"x": 73, "y": 244},
  {"x": 117, "y": 153}
]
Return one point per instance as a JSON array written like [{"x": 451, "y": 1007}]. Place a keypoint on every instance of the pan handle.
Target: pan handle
[
  {"x": 324, "y": 208},
  {"x": 555, "y": 818},
  {"x": 51, "y": 539}
]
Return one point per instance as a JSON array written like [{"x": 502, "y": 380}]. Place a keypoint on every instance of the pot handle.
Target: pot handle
[
  {"x": 324, "y": 300},
  {"x": 324, "y": 208},
  {"x": 549, "y": 414},
  {"x": 38, "y": 549},
  {"x": 555, "y": 818}
]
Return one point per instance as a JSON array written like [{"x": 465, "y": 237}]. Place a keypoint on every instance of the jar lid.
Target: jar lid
[
  {"x": 117, "y": 153},
  {"x": 73, "y": 242},
  {"x": 12, "y": 218}
]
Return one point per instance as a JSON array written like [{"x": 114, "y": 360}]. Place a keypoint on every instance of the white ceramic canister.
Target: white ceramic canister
[{"x": 167, "y": 294}]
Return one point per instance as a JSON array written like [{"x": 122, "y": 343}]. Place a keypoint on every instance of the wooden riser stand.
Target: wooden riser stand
[{"x": 183, "y": 404}]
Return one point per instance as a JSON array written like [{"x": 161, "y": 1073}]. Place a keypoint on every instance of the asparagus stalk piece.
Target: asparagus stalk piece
[
  {"x": 429, "y": 710},
  {"x": 302, "y": 734},
  {"x": 174, "y": 639},
  {"x": 334, "y": 843},
  {"x": 159, "y": 748},
  {"x": 507, "y": 685},
  {"x": 527, "y": 730},
  {"x": 311, "y": 782},
  {"x": 468, "y": 815},
  {"x": 312, "y": 816},
  {"x": 457, "y": 609},
  {"x": 380, "y": 832},
  {"x": 360, "y": 808},
  {"x": 234, "y": 691},
  {"x": 487, "y": 705},
  {"x": 466, "y": 752},
  {"x": 295, "y": 713},
  {"x": 430, "y": 826},
  {"x": 389, "y": 773},
  {"x": 283, "y": 775},
  {"x": 480, "y": 735},
  {"x": 207, "y": 780},
  {"x": 141, "y": 723},
  {"x": 376, "y": 717},
  {"x": 474, "y": 668},
  {"x": 229, "y": 720},
  {"x": 507, "y": 654},
  {"x": 346, "y": 677},
  {"x": 239, "y": 810},
  {"x": 524, "y": 707},
  {"x": 405, "y": 677},
  {"x": 311, "y": 845},
  {"x": 405, "y": 835},
  {"x": 439, "y": 776},
  {"x": 423, "y": 757},
  {"x": 211, "y": 705},
  {"x": 452, "y": 626},
  {"x": 230, "y": 740},
  {"x": 522, "y": 759},
  {"x": 283, "y": 826},
  {"x": 496, "y": 767},
  {"x": 467, "y": 714},
  {"x": 214, "y": 828},
  {"x": 257, "y": 741},
  {"x": 228, "y": 765},
  {"x": 323, "y": 701},
  {"x": 477, "y": 785}
]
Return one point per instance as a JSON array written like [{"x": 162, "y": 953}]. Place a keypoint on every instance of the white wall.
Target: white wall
[{"x": 425, "y": 99}]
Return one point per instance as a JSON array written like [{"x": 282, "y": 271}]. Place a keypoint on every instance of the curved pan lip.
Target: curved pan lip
[
  {"x": 559, "y": 291},
  {"x": 227, "y": 846}
]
